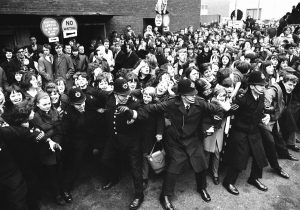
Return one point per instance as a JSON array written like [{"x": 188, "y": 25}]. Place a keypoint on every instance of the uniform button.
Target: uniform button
[
  {"x": 116, "y": 133},
  {"x": 114, "y": 128},
  {"x": 114, "y": 122},
  {"x": 114, "y": 116}
]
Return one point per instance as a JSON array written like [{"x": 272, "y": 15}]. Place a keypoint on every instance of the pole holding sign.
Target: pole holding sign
[{"x": 69, "y": 27}]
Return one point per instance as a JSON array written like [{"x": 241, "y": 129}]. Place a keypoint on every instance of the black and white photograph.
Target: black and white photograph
[{"x": 149, "y": 104}]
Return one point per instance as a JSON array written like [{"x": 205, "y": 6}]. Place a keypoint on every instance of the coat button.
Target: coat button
[{"x": 116, "y": 133}]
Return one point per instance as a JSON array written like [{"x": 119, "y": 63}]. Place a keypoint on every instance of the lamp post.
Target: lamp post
[{"x": 258, "y": 10}]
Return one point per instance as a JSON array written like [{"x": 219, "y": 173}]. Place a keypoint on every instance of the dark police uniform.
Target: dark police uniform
[
  {"x": 12, "y": 183},
  {"x": 78, "y": 128},
  {"x": 123, "y": 138},
  {"x": 245, "y": 138}
]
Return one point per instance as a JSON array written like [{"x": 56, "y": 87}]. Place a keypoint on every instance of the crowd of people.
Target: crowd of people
[{"x": 209, "y": 96}]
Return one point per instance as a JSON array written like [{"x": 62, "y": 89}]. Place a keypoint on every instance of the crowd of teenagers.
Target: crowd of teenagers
[{"x": 209, "y": 96}]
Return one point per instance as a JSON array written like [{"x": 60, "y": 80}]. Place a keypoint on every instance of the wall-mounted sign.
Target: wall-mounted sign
[
  {"x": 158, "y": 20},
  {"x": 69, "y": 27},
  {"x": 49, "y": 27}
]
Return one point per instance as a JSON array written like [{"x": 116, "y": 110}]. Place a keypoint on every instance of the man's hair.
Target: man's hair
[
  {"x": 17, "y": 114},
  {"x": 48, "y": 46},
  {"x": 290, "y": 77},
  {"x": 223, "y": 74},
  {"x": 243, "y": 67}
]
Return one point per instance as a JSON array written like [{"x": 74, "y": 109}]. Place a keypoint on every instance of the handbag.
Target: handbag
[{"x": 157, "y": 160}]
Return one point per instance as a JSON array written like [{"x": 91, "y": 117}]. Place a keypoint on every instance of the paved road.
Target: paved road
[{"x": 283, "y": 194}]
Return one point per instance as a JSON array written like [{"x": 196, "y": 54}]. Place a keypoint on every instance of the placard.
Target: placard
[
  {"x": 49, "y": 27},
  {"x": 158, "y": 20},
  {"x": 69, "y": 27}
]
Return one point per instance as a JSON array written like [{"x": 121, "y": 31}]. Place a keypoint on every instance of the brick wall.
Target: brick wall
[{"x": 124, "y": 12}]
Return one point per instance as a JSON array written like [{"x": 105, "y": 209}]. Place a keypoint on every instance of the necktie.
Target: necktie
[{"x": 187, "y": 108}]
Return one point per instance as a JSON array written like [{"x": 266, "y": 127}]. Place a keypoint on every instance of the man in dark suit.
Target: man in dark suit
[
  {"x": 292, "y": 57},
  {"x": 131, "y": 58},
  {"x": 63, "y": 66},
  {"x": 45, "y": 64},
  {"x": 80, "y": 61},
  {"x": 119, "y": 58},
  {"x": 34, "y": 49},
  {"x": 183, "y": 138}
]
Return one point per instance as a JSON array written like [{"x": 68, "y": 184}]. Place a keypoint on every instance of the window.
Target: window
[
  {"x": 204, "y": 9},
  {"x": 253, "y": 13},
  {"x": 204, "y": 6}
]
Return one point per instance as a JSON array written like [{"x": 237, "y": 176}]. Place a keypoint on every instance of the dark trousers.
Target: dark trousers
[
  {"x": 73, "y": 160},
  {"x": 233, "y": 173},
  {"x": 33, "y": 189},
  {"x": 269, "y": 146},
  {"x": 170, "y": 182},
  {"x": 15, "y": 190},
  {"x": 53, "y": 174},
  {"x": 280, "y": 144},
  {"x": 110, "y": 162}
]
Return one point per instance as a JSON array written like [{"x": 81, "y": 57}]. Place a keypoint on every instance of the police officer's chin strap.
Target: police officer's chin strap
[
  {"x": 188, "y": 100},
  {"x": 261, "y": 92},
  {"x": 119, "y": 101}
]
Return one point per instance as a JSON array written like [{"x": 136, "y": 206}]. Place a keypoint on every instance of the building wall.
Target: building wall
[
  {"x": 182, "y": 14},
  {"x": 114, "y": 14}
]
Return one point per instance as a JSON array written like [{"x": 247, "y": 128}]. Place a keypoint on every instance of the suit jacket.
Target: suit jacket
[
  {"x": 63, "y": 67},
  {"x": 130, "y": 60},
  {"x": 119, "y": 61},
  {"x": 45, "y": 68},
  {"x": 36, "y": 52},
  {"x": 80, "y": 63},
  {"x": 292, "y": 61}
]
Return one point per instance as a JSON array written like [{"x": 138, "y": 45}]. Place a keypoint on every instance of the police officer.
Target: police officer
[
  {"x": 124, "y": 137},
  {"x": 244, "y": 138},
  {"x": 183, "y": 137},
  {"x": 75, "y": 128},
  {"x": 12, "y": 183}
]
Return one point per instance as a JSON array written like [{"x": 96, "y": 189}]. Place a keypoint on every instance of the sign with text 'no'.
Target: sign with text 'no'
[{"x": 69, "y": 27}]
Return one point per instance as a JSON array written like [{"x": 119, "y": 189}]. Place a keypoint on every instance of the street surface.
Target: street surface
[{"x": 283, "y": 194}]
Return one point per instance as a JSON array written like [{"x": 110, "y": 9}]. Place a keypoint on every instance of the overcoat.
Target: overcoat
[
  {"x": 184, "y": 136},
  {"x": 63, "y": 67},
  {"x": 50, "y": 123}
]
